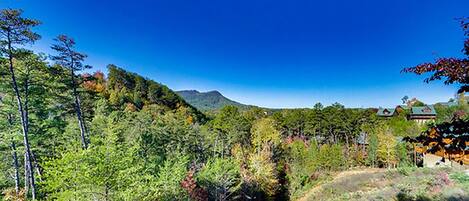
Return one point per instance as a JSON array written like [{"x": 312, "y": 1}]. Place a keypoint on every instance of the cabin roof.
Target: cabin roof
[
  {"x": 386, "y": 112},
  {"x": 427, "y": 110}
]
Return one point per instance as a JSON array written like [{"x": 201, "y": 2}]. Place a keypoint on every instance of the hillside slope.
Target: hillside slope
[
  {"x": 206, "y": 101},
  {"x": 129, "y": 90},
  {"x": 400, "y": 184}
]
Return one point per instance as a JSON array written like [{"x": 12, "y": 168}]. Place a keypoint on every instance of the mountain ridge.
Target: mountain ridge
[{"x": 209, "y": 100}]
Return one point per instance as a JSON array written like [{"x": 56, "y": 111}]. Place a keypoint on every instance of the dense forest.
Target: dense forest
[{"x": 69, "y": 135}]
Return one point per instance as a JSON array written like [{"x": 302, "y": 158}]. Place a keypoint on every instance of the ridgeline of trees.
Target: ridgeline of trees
[{"x": 69, "y": 135}]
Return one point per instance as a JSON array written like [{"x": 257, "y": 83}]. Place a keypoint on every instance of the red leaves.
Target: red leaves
[
  {"x": 452, "y": 69},
  {"x": 95, "y": 82},
  {"x": 195, "y": 192}
]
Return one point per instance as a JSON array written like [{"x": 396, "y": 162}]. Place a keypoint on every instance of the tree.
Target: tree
[
  {"x": 386, "y": 150},
  {"x": 372, "y": 149},
  {"x": 264, "y": 133},
  {"x": 16, "y": 31},
  {"x": 405, "y": 99},
  {"x": 452, "y": 70},
  {"x": 262, "y": 174},
  {"x": 72, "y": 60},
  {"x": 302, "y": 161},
  {"x": 221, "y": 177},
  {"x": 230, "y": 127}
]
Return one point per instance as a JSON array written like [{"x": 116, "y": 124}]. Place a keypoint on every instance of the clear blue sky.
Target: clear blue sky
[{"x": 268, "y": 53}]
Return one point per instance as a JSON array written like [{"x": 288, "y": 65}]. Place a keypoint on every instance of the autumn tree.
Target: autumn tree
[
  {"x": 264, "y": 133},
  {"x": 72, "y": 60},
  {"x": 386, "y": 150},
  {"x": 15, "y": 31}
]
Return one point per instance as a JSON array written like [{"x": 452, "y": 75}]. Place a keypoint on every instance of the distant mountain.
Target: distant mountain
[{"x": 211, "y": 100}]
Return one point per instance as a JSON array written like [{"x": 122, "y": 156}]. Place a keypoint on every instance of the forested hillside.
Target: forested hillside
[
  {"x": 135, "y": 91},
  {"x": 209, "y": 101},
  {"x": 69, "y": 135}
]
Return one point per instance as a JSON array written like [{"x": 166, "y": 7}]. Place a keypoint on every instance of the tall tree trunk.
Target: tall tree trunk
[
  {"x": 15, "y": 165},
  {"x": 26, "y": 175},
  {"x": 26, "y": 114},
  {"x": 347, "y": 147},
  {"x": 81, "y": 122},
  {"x": 36, "y": 166},
  {"x": 14, "y": 156},
  {"x": 24, "y": 123}
]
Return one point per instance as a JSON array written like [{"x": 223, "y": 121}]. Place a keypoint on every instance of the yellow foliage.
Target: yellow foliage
[
  {"x": 10, "y": 195},
  {"x": 262, "y": 171},
  {"x": 387, "y": 153},
  {"x": 264, "y": 132}
]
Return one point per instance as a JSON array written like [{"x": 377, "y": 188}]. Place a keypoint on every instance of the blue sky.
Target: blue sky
[{"x": 268, "y": 53}]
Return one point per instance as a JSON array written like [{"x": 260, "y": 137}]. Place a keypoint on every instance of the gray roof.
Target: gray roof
[
  {"x": 427, "y": 110},
  {"x": 386, "y": 112}
]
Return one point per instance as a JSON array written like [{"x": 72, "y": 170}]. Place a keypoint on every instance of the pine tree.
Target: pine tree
[
  {"x": 72, "y": 60},
  {"x": 16, "y": 31}
]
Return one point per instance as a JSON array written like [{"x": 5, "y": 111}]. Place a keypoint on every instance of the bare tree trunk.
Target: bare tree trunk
[
  {"x": 81, "y": 122},
  {"x": 348, "y": 146},
  {"x": 24, "y": 123},
  {"x": 36, "y": 166},
  {"x": 15, "y": 165},
  {"x": 26, "y": 176},
  {"x": 14, "y": 156}
]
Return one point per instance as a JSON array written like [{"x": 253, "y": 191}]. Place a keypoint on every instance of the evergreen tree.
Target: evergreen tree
[
  {"x": 16, "y": 31},
  {"x": 72, "y": 60}
]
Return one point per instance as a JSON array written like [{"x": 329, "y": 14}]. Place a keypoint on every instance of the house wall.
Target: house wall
[{"x": 423, "y": 121}]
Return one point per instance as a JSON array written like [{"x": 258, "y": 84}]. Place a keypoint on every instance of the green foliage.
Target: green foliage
[
  {"x": 221, "y": 177},
  {"x": 302, "y": 164},
  {"x": 170, "y": 175},
  {"x": 229, "y": 127},
  {"x": 372, "y": 150},
  {"x": 331, "y": 157},
  {"x": 462, "y": 178},
  {"x": 93, "y": 173},
  {"x": 402, "y": 127},
  {"x": 264, "y": 132},
  {"x": 402, "y": 154},
  {"x": 125, "y": 87}
]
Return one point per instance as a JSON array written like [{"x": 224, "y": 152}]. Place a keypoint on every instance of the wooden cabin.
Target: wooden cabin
[{"x": 423, "y": 115}]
